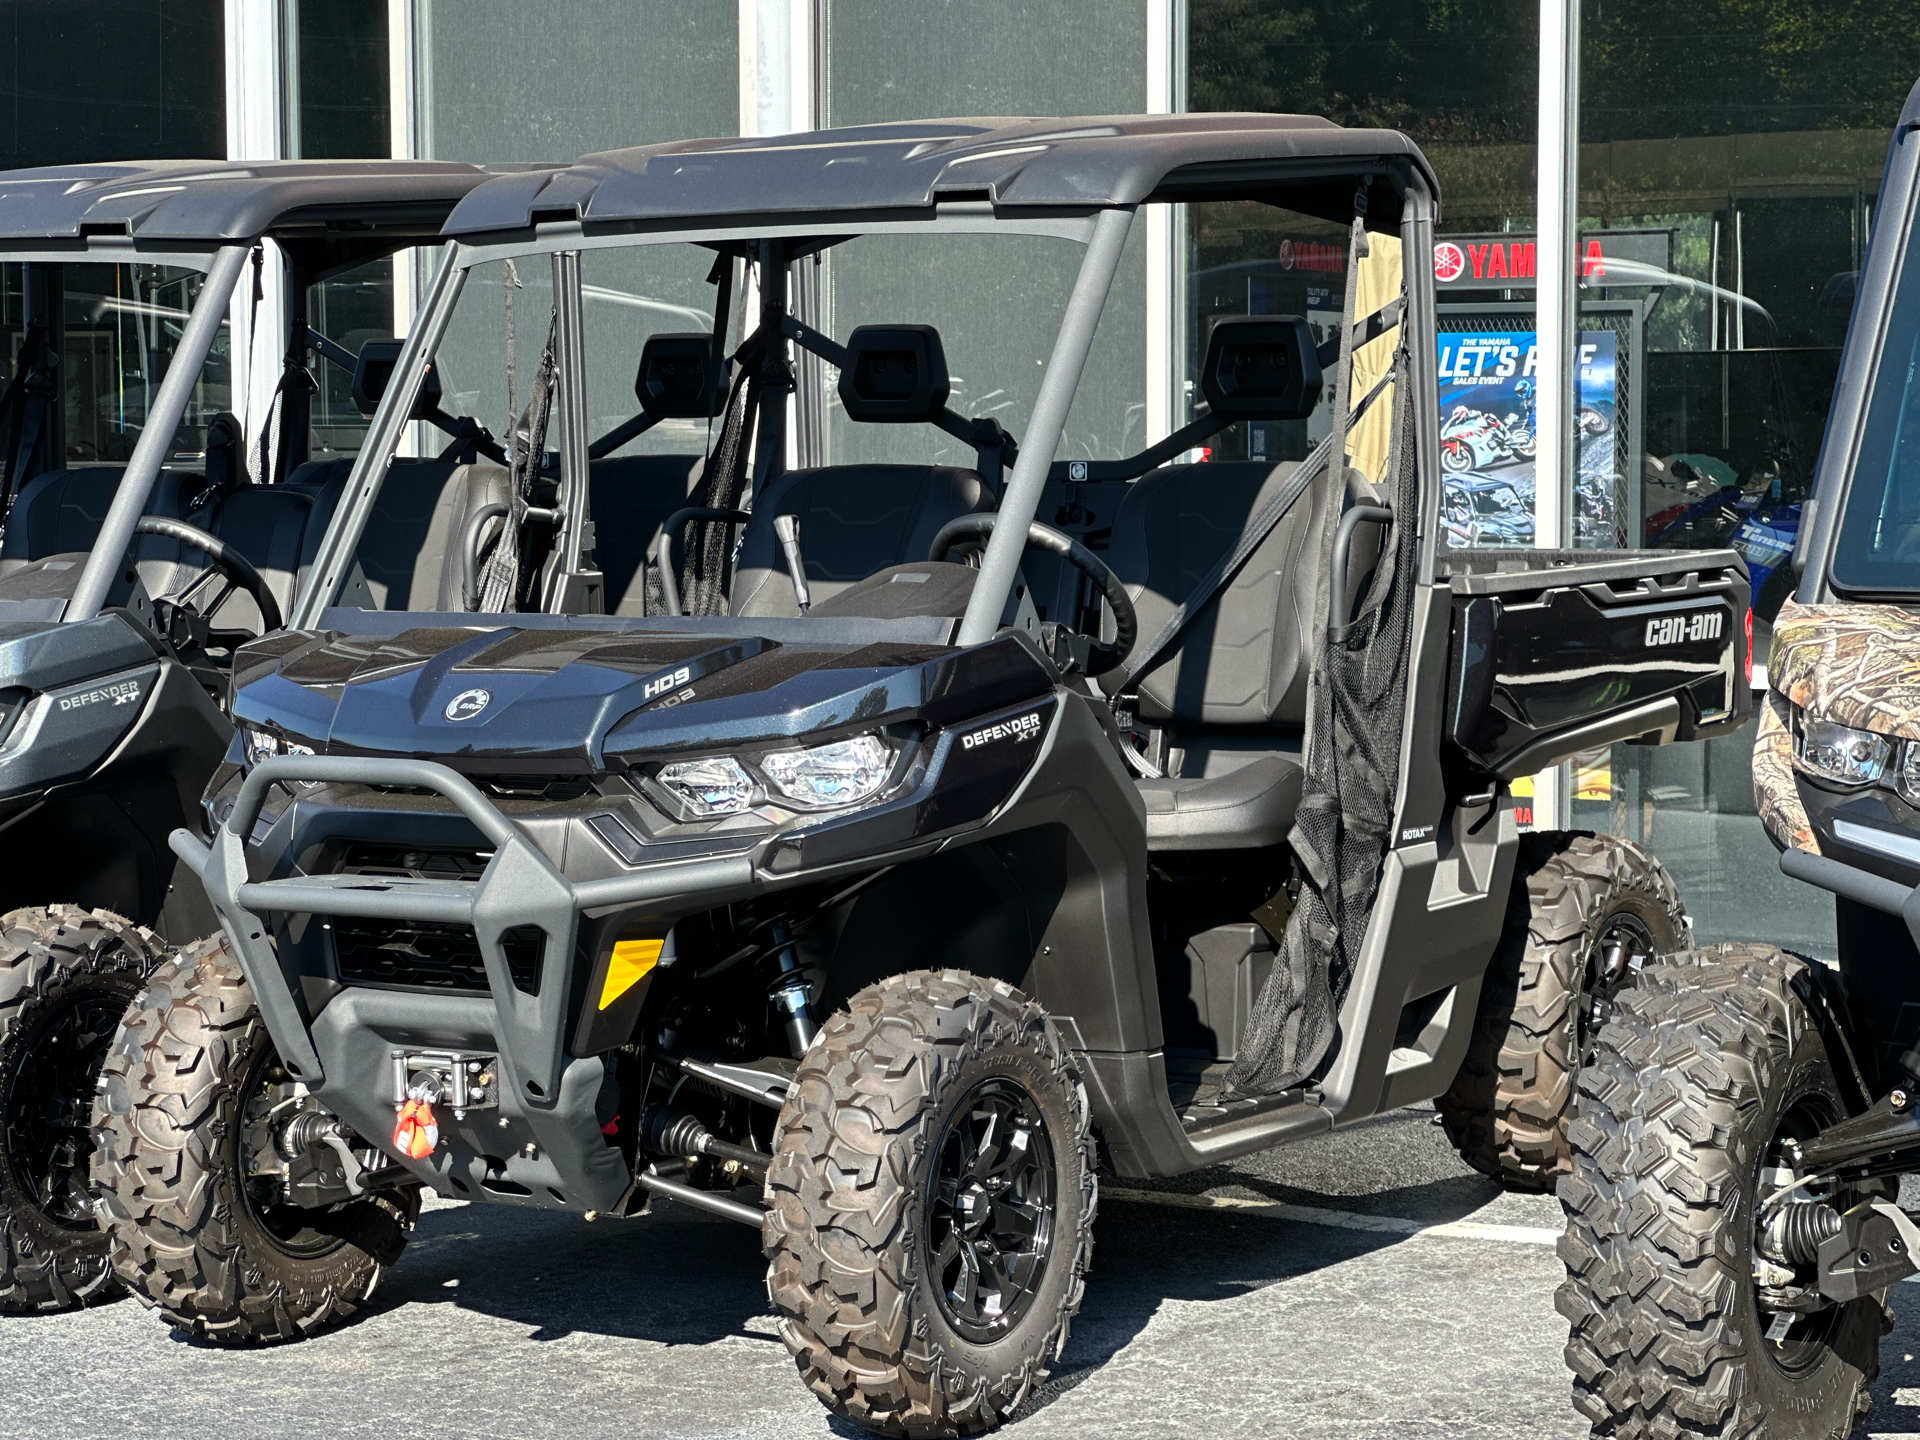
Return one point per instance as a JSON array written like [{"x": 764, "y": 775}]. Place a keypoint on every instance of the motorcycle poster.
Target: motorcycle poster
[{"x": 1488, "y": 409}]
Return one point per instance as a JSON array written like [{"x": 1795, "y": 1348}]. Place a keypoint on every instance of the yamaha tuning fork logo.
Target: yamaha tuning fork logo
[{"x": 467, "y": 704}]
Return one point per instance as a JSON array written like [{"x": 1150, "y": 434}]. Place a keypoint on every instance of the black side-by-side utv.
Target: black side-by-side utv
[
  {"x": 144, "y": 540},
  {"x": 888, "y": 844},
  {"x": 1734, "y": 1230}
]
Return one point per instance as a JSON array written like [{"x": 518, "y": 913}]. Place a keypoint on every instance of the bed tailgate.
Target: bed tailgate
[{"x": 1553, "y": 652}]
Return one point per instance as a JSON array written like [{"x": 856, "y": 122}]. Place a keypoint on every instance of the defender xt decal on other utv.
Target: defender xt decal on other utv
[
  {"x": 1733, "y": 1232},
  {"x": 124, "y": 589},
  {"x": 977, "y": 808}
]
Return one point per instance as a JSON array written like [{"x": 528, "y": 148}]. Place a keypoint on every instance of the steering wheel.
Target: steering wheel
[
  {"x": 975, "y": 529},
  {"x": 234, "y": 566}
]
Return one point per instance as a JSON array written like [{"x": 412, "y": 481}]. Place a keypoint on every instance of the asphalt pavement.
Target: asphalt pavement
[{"x": 1358, "y": 1285}]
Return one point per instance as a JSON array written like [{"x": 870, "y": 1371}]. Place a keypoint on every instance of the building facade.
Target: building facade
[{"x": 1728, "y": 158}]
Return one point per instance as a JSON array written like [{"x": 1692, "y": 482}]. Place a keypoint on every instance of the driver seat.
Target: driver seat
[{"x": 1230, "y": 691}]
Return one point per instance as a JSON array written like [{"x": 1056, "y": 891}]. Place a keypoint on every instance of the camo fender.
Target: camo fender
[{"x": 1774, "y": 791}]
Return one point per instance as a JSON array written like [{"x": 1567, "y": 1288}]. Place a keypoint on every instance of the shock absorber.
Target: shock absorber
[{"x": 792, "y": 991}]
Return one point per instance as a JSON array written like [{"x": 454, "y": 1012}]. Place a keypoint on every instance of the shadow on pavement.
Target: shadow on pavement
[
  {"x": 680, "y": 1278},
  {"x": 674, "y": 1277}
]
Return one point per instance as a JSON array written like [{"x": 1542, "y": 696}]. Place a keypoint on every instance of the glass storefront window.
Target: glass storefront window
[
  {"x": 883, "y": 61},
  {"x": 491, "y": 352},
  {"x": 502, "y": 80},
  {"x": 628, "y": 296},
  {"x": 336, "y": 105},
  {"x": 998, "y": 302},
  {"x": 113, "y": 79},
  {"x": 1460, "y": 79},
  {"x": 349, "y": 309}
]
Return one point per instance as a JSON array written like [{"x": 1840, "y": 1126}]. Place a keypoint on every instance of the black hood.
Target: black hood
[{"x": 496, "y": 698}]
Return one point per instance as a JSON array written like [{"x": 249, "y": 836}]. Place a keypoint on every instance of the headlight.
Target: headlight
[
  {"x": 1906, "y": 779},
  {"x": 264, "y": 745},
  {"x": 827, "y": 777},
  {"x": 717, "y": 785},
  {"x": 1839, "y": 754}
]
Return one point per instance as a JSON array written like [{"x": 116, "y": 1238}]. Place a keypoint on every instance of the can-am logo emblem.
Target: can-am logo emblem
[{"x": 467, "y": 704}]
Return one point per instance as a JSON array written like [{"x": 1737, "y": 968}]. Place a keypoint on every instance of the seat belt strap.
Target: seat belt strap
[
  {"x": 1350, "y": 338},
  {"x": 1228, "y": 565},
  {"x": 501, "y": 582},
  {"x": 1258, "y": 528}
]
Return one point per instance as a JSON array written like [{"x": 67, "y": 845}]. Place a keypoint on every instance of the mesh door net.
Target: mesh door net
[{"x": 1356, "y": 701}]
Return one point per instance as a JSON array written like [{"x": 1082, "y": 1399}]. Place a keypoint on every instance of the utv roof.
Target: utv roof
[
  {"x": 1306, "y": 163},
  {"x": 208, "y": 201}
]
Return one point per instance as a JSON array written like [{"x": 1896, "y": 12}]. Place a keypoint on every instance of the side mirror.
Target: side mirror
[
  {"x": 373, "y": 371},
  {"x": 678, "y": 379},
  {"x": 1261, "y": 367},
  {"x": 895, "y": 374}
]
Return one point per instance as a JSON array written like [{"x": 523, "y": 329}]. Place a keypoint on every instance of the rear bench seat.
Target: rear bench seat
[{"x": 410, "y": 554}]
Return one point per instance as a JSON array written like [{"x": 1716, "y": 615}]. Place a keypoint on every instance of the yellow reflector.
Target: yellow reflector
[{"x": 631, "y": 961}]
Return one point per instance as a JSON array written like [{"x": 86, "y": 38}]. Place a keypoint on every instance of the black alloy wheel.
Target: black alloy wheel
[
  {"x": 67, "y": 976},
  {"x": 990, "y": 1210},
  {"x": 930, "y": 1205},
  {"x": 46, "y": 1099},
  {"x": 1623, "y": 948}
]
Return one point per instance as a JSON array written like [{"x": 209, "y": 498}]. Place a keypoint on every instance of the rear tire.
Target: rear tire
[
  {"x": 173, "y": 1132},
  {"x": 1574, "y": 895},
  {"x": 67, "y": 976},
  {"x": 1709, "y": 1059},
  {"x": 898, "y": 1177}
]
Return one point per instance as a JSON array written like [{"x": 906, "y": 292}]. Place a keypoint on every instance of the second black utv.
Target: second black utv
[
  {"x": 144, "y": 540},
  {"x": 903, "y": 834}
]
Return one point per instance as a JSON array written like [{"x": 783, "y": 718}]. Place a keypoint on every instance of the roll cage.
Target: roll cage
[{"x": 769, "y": 203}]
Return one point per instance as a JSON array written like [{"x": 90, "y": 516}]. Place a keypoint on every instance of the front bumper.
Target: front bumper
[
  {"x": 543, "y": 1139},
  {"x": 1850, "y": 882}
]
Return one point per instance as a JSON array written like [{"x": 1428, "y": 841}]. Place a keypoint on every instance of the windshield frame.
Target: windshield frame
[
  {"x": 332, "y": 566},
  {"x": 1102, "y": 230}
]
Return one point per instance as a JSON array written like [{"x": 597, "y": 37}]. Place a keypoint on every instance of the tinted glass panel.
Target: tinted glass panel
[
  {"x": 112, "y": 79},
  {"x": 504, "y": 80},
  {"x": 337, "y": 80},
  {"x": 122, "y": 324}
]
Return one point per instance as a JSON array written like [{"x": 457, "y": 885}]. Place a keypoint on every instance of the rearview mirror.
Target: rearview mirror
[{"x": 1261, "y": 367}]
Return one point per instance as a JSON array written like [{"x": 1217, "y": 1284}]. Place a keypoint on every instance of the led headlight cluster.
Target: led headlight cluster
[
  {"x": 1841, "y": 755},
  {"x": 818, "y": 777}
]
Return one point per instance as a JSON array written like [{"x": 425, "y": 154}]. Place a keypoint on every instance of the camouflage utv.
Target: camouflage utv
[{"x": 1738, "y": 1138}]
